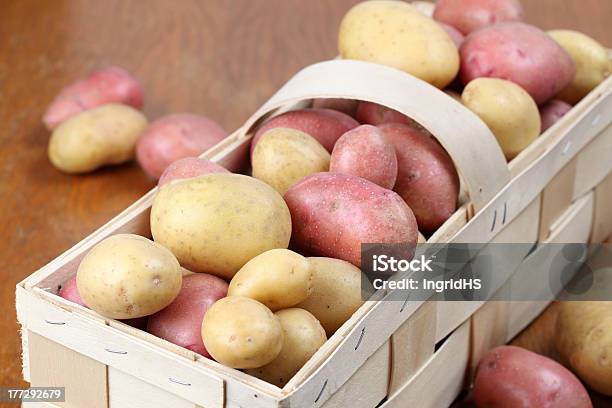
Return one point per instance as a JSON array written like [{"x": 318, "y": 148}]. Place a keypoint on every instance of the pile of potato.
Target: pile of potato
[{"x": 96, "y": 121}]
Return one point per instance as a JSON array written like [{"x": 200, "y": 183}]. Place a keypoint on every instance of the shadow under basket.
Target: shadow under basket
[{"x": 389, "y": 354}]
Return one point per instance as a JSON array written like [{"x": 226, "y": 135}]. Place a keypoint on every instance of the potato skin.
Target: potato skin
[
  {"x": 325, "y": 125},
  {"x": 348, "y": 106},
  {"x": 586, "y": 341},
  {"x": 552, "y": 112},
  {"x": 509, "y": 111},
  {"x": 333, "y": 214},
  {"x": 510, "y": 376},
  {"x": 174, "y": 137},
  {"x": 278, "y": 278},
  {"x": 302, "y": 337},
  {"x": 592, "y": 63},
  {"x": 189, "y": 167},
  {"x": 367, "y": 153},
  {"x": 470, "y": 15},
  {"x": 284, "y": 156},
  {"x": 454, "y": 34},
  {"x": 396, "y": 34},
  {"x": 69, "y": 291},
  {"x": 374, "y": 114},
  {"x": 427, "y": 179},
  {"x": 424, "y": 7},
  {"x": 217, "y": 222},
  {"x": 520, "y": 53},
  {"x": 126, "y": 276},
  {"x": 180, "y": 323},
  {"x": 336, "y": 292},
  {"x": 240, "y": 332},
  {"x": 105, "y": 135},
  {"x": 103, "y": 86}
]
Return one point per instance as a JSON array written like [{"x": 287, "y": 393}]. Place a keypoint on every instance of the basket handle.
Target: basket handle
[{"x": 473, "y": 148}]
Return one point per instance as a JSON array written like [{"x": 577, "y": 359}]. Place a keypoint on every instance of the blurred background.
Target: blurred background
[{"x": 218, "y": 58}]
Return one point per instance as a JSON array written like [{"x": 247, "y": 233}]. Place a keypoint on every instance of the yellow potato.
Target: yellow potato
[
  {"x": 217, "y": 222},
  {"x": 592, "y": 63},
  {"x": 242, "y": 333},
  {"x": 303, "y": 335},
  {"x": 507, "y": 109},
  {"x": 283, "y": 156},
  {"x": 425, "y": 7},
  {"x": 396, "y": 34},
  {"x": 97, "y": 137},
  {"x": 127, "y": 276},
  {"x": 278, "y": 278},
  {"x": 336, "y": 292},
  {"x": 584, "y": 340}
]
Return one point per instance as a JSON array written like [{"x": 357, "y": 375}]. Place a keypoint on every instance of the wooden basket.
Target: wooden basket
[{"x": 557, "y": 190}]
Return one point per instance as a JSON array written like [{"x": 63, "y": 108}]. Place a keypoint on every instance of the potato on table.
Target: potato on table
[
  {"x": 325, "y": 125},
  {"x": 181, "y": 322},
  {"x": 189, "y": 167},
  {"x": 396, "y": 34},
  {"x": 336, "y": 292},
  {"x": 302, "y": 337},
  {"x": 217, "y": 222},
  {"x": 470, "y": 15},
  {"x": 509, "y": 111},
  {"x": 101, "y": 87},
  {"x": 101, "y": 136},
  {"x": 240, "y": 332},
  {"x": 174, "y": 137},
  {"x": 333, "y": 214},
  {"x": 520, "y": 53},
  {"x": 552, "y": 112},
  {"x": 278, "y": 278},
  {"x": 127, "y": 276}
]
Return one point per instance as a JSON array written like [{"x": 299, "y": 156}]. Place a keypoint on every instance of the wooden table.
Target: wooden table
[{"x": 218, "y": 58}]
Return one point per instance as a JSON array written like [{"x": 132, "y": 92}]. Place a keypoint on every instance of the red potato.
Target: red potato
[
  {"x": 512, "y": 377},
  {"x": 181, "y": 322},
  {"x": 101, "y": 87},
  {"x": 470, "y": 15},
  {"x": 552, "y": 112},
  {"x": 325, "y": 125},
  {"x": 348, "y": 106},
  {"x": 520, "y": 53},
  {"x": 174, "y": 137},
  {"x": 374, "y": 114},
  {"x": 454, "y": 34},
  {"x": 189, "y": 167},
  {"x": 333, "y": 214},
  {"x": 367, "y": 153},
  {"x": 427, "y": 179}
]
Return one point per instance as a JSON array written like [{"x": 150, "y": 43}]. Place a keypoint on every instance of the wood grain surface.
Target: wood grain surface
[{"x": 218, "y": 58}]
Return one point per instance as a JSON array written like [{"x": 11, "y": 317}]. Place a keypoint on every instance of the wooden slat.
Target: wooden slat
[
  {"x": 593, "y": 163},
  {"x": 602, "y": 216},
  {"x": 557, "y": 198}
]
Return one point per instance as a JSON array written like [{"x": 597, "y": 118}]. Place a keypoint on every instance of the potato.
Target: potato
[
  {"x": 189, "y": 167},
  {"x": 592, "y": 63},
  {"x": 181, "y": 322},
  {"x": 278, "y": 278},
  {"x": 374, "y": 114},
  {"x": 510, "y": 376},
  {"x": 284, "y": 156},
  {"x": 470, "y": 15},
  {"x": 98, "y": 137},
  {"x": 101, "y": 87},
  {"x": 217, "y": 222},
  {"x": 427, "y": 179},
  {"x": 584, "y": 339},
  {"x": 174, "y": 137},
  {"x": 127, "y": 276},
  {"x": 333, "y": 214},
  {"x": 520, "y": 53},
  {"x": 454, "y": 34},
  {"x": 424, "y": 7},
  {"x": 69, "y": 291},
  {"x": 348, "y": 106},
  {"x": 367, "y": 153},
  {"x": 240, "y": 332},
  {"x": 325, "y": 125},
  {"x": 302, "y": 337},
  {"x": 509, "y": 111},
  {"x": 396, "y": 34},
  {"x": 336, "y": 292},
  {"x": 552, "y": 112}
]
